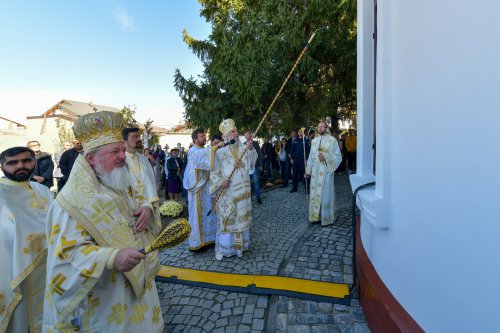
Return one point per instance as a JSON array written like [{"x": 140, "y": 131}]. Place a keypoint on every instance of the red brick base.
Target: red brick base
[{"x": 383, "y": 312}]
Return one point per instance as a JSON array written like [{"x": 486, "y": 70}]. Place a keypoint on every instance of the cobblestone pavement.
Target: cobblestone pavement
[{"x": 283, "y": 243}]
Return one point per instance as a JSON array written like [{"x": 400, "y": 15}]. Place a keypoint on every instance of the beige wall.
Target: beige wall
[
  {"x": 173, "y": 139},
  {"x": 49, "y": 140}
]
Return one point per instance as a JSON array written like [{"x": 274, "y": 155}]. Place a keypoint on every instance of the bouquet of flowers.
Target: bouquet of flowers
[{"x": 171, "y": 208}]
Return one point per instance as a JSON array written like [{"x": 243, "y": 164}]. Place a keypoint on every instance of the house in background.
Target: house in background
[
  {"x": 57, "y": 121},
  {"x": 428, "y": 251},
  {"x": 178, "y": 134},
  {"x": 54, "y": 126},
  {"x": 12, "y": 133},
  {"x": 7, "y": 124}
]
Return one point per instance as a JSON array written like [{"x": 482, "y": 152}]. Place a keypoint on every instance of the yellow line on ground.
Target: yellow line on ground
[{"x": 260, "y": 281}]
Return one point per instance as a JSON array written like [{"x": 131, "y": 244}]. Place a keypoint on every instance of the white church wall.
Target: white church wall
[{"x": 436, "y": 171}]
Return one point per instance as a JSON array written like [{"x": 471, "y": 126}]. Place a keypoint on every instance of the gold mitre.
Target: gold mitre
[
  {"x": 99, "y": 128},
  {"x": 226, "y": 126}
]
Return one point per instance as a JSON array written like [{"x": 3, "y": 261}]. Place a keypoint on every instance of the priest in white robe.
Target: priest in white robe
[
  {"x": 324, "y": 158},
  {"x": 97, "y": 279},
  {"x": 23, "y": 246},
  {"x": 234, "y": 207},
  {"x": 200, "y": 161},
  {"x": 142, "y": 179}
]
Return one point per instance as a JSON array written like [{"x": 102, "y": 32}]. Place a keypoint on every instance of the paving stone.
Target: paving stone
[
  {"x": 319, "y": 329},
  {"x": 194, "y": 321},
  {"x": 216, "y": 307},
  {"x": 209, "y": 326},
  {"x": 219, "y": 330},
  {"x": 325, "y": 307},
  {"x": 342, "y": 318},
  {"x": 187, "y": 310},
  {"x": 258, "y": 324},
  {"x": 220, "y": 298},
  {"x": 285, "y": 244},
  {"x": 299, "y": 329},
  {"x": 282, "y": 306},
  {"x": 262, "y": 303},
  {"x": 249, "y": 308},
  {"x": 178, "y": 319},
  {"x": 235, "y": 320},
  {"x": 221, "y": 322},
  {"x": 258, "y": 313},
  {"x": 244, "y": 329},
  {"x": 208, "y": 304},
  {"x": 346, "y": 328},
  {"x": 225, "y": 313},
  {"x": 238, "y": 310},
  {"x": 228, "y": 304},
  {"x": 247, "y": 318},
  {"x": 281, "y": 322},
  {"x": 214, "y": 316},
  {"x": 231, "y": 329},
  {"x": 357, "y": 315},
  {"x": 341, "y": 307},
  {"x": 305, "y": 318},
  {"x": 333, "y": 329},
  {"x": 325, "y": 319}
]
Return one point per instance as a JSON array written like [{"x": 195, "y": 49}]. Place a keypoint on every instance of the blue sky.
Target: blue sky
[{"x": 112, "y": 53}]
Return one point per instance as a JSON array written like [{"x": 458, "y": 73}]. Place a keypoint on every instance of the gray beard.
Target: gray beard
[
  {"x": 117, "y": 180},
  {"x": 236, "y": 146}
]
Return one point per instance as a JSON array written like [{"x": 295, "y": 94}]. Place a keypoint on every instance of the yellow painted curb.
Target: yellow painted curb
[{"x": 278, "y": 283}]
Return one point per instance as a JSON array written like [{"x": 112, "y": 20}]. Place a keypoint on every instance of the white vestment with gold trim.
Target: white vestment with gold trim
[
  {"x": 322, "y": 195},
  {"x": 143, "y": 183},
  {"x": 86, "y": 226},
  {"x": 196, "y": 182},
  {"x": 234, "y": 207},
  {"x": 23, "y": 252}
]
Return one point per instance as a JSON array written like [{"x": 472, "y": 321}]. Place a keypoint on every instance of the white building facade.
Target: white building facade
[{"x": 428, "y": 73}]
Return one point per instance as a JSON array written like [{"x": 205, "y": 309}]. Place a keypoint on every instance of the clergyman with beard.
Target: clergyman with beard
[
  {"x": 200, "y": 162},
  {"x": 323, "y": 160},
  {"x": 234, "y": 207},
  {"x": 142, "y": 180},
  {"x": 97, "y": 279},
  {"x": 22, "y": 242}
]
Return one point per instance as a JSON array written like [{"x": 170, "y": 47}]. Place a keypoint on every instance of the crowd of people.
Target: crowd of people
[{"x": 74, "y": 263}]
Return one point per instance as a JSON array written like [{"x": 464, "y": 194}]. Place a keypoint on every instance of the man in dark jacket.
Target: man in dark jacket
[
  {"x": 297, "y": 160},
  {"x": 66, "y": 162},
  {"x": 258, "y": 167},
  {"x": 44, "y": 168},
  {"x": 267, "y": 154},
  {"x": 174, "y": 166},
  {"x": 288, "y": 149}
]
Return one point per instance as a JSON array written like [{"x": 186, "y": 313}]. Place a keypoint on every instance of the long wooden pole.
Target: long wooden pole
[
  {"x": 305, "y": 159},
  {"x": 266, "y": 114}
]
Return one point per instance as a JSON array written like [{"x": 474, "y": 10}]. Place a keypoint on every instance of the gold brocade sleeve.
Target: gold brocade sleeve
[
  {"x": 216, "y": 178},
  {"x": 74, "y": 262}
]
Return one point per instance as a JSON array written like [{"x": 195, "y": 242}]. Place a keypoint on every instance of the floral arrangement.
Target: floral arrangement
[{"x": 171, "y": 208}]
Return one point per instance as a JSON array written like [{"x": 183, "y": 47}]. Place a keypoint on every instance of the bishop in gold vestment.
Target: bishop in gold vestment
[
  {"x": 234, "y": 207},
  {"x": 97, "y": 280}
]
